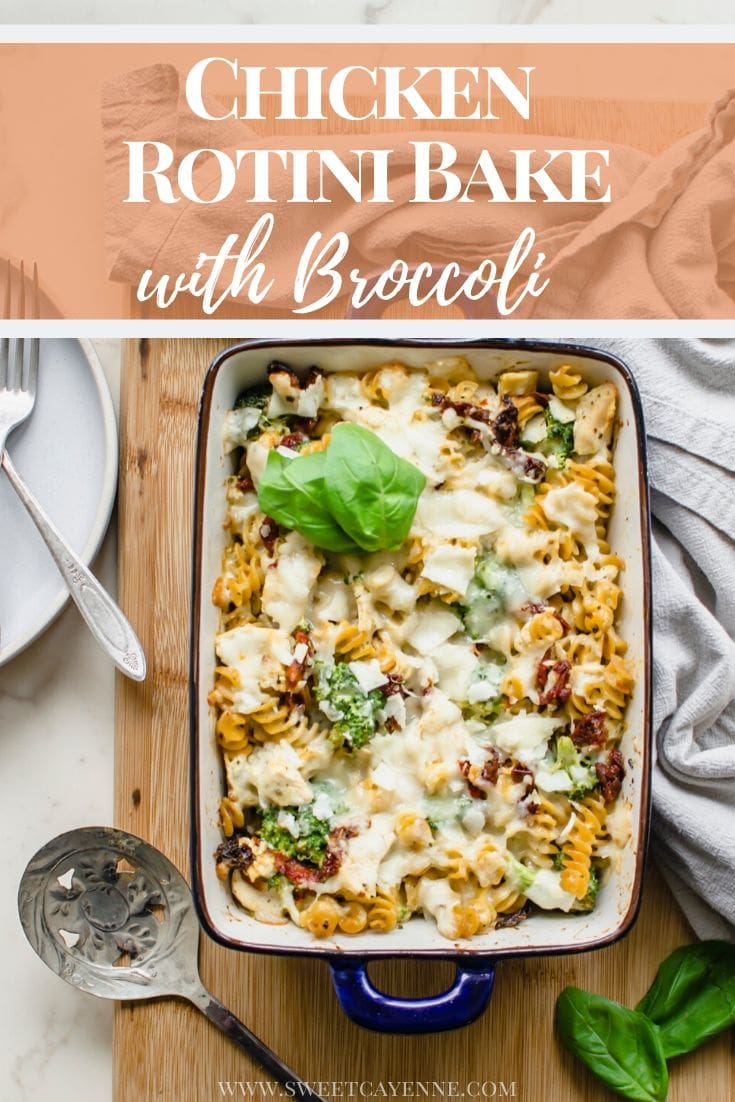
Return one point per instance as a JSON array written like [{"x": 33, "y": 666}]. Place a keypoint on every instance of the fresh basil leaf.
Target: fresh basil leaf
[
  {"x": 292, "y": 492},
  {"x": 371, "y": 492},
  {"x": 692, "y": 996},
  {"x": 620, "y": 1046}
]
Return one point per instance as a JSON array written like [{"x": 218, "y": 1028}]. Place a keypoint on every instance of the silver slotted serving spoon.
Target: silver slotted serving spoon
[{"x": 112, "y": 916}]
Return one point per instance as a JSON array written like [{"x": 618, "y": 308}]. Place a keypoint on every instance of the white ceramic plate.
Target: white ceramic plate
[{"x": 67, "y": 454}]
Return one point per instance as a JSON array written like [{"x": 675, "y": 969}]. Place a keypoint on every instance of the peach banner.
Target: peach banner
[{"x": 329, "y": 181}]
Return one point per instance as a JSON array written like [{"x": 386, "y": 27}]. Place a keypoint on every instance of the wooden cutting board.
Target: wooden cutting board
[{"x": 166, "y": 1051}]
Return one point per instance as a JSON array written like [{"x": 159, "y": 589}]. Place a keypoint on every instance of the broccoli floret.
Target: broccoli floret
[
  {"x": 490, "y": 674},
  {"x": 446, "y": 809},
  {"x": 590, "y": 899},
  {"x": 481, "y": 610},
  {"x": 276, "y": 882},
  {"x": 525, "y": 495},
  {"x": 487, "y": 595},
  {"x": 256, "y": 396},
  {"x": 522, "y": 876},
  {"x": 482, "y": 711},
  {"x": 559, "y": 438},
  {"x": 558, "y": 860},
  {"x": 579, "y": 769},
  {"x": 353, "y": 712},
  {"x": 311, "y": 842}
]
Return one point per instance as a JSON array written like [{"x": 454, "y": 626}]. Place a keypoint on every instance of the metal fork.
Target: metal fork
[{"x": 18, "y": 381}]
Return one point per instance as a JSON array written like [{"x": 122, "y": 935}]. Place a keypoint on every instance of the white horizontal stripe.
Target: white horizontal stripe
[
  {"x": 330, "y": 32},
  {"x": 318, "y": 330}
]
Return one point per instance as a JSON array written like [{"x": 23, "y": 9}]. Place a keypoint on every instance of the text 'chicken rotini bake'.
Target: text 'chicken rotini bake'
[{"x": 421, "y": 688}]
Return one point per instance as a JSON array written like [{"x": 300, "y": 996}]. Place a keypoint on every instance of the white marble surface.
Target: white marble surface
[
  {"x": 367, "y": 11},
  {"x": 56, "y": 749}
]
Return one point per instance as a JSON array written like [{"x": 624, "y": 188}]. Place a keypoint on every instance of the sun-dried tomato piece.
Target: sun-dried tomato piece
[
  {"x": 491, "y": 767},
  {"x": 523, "y": 464},
  {"x": 335, "y": 851},
  {"x": 610, "y": 774},
  {"x": 505, "y": 426},
  {"x": 559, "y": 688},
  {"x": 269, "y": 533},
  {"x": 276, "y": 367},
  {"x": 293, "y": 440},
  {"x": 393, "y": 686},
  {"x": 521, "y": 772},
  {"x": 502, "y": 922},
  {"x": 235, "y": 853},
  {"x": 534, "y": 607},
  {"x": 294, "y": 871},
  {"x": 295, "y": 671},
  {"x": 462, "y": 409},
  {"x": 475, "y": 792},
  {"x": 565, "y": 626},
  {"x": 590, "y": 730}
]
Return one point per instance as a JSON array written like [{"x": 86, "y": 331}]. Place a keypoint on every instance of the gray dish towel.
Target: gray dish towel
[{"x": 688, "y": 392}]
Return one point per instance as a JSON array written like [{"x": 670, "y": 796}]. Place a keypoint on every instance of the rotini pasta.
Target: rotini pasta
[
  {"x": 584, "y": 836},
  {"x": 431, "y": 729},
  {"x": 566, "y": 383}
]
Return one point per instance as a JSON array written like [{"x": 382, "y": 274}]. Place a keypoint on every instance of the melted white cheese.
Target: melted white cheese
[
  {"x": 560, "y": 411},
  {"x": 271, "y": 774},
  {"x": 256, "y": 457},
  {"x": 450, "y": 566},
  {"x": 238, "y": 424},
  {"x": 344, "y": 394},
  {"x": 575, "y": 509},
  {"x": 290, "y": 580},
  {"x": 332, "y": 600},
  {"x": 290, "y": 399},
  {"x": 437, "y": 898},
  {"x": 363, "y": 854},
  {"x": 525, "y": 735},
  {"x": 368, "y": 674},
  {"x": 547, "y": 892},
  {"x": 251, "y": 650},
  {"x": 429, "y": 626},
  {"x": 386, "y": 585},
  {"x": 457, "y": 514},
  {"x": 456, "y": 665}
]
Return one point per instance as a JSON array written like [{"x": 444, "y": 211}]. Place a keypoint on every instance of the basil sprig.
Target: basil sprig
[
  {"x": 357, "y": 495},
  {"x": 691, "y": 999},
  {"x": 292, "y": 492},
  {"x": 620, "y": 1046},
  {"x": 371, "y": 491},
  {"x": 692, "y": 996}
]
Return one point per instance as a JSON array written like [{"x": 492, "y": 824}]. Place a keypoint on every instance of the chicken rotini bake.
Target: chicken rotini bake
[{"x": 421, "y": 688}]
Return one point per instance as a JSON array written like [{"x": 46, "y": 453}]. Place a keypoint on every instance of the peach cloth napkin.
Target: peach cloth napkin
[{"x": 665, "y": 247}]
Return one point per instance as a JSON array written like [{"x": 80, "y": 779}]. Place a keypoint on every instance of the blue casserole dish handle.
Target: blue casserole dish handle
[{"x": 459, "y": 1005}]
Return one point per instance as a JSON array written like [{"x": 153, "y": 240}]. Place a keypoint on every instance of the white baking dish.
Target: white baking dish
[{"x": 245, "y": 364}]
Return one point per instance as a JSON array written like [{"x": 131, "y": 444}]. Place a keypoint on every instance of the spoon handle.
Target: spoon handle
[
  {"x": 220, "y": 1016},
  {"x": 103, "y": 617}
]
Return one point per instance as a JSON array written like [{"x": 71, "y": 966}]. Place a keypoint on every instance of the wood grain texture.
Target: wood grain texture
[{"x": 166, "y": 1051}]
